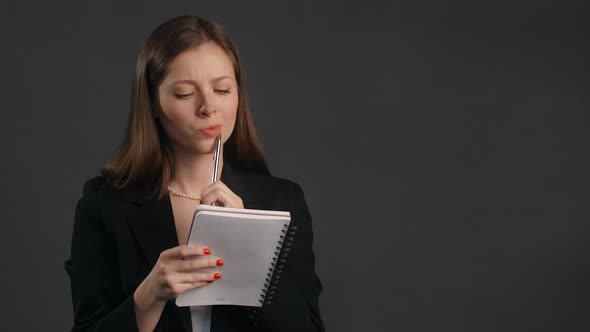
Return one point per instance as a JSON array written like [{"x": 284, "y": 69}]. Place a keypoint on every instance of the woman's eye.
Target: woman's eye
[
  {"x": 222, "y": 91},
  {"x": 183, "y": 95}
]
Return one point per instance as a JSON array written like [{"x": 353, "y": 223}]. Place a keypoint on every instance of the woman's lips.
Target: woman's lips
[{"x": 212, "y": 131}]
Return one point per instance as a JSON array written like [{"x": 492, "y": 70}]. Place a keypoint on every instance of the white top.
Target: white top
[{"x": 201, "y": 318}]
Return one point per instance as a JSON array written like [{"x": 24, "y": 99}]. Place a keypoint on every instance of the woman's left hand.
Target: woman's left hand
[{"x": 220, "y": 195}]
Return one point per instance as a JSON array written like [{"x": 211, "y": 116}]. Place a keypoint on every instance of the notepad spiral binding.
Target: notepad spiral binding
[{"x": 278, "y": 264}]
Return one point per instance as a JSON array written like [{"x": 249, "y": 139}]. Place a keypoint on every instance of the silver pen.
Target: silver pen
[{"x": 216, "y": 159}]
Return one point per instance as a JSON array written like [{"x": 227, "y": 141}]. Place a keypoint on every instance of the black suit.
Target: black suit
[{"x": 119, "y": 234}]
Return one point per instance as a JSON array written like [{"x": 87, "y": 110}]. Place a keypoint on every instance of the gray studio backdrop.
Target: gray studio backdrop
[{"x": 443, "y": 147}]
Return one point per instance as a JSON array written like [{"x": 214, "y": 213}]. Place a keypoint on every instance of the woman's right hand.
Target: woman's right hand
[{"x": 179, "y": 269}]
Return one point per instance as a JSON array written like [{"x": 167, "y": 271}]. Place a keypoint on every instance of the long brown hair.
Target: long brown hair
[{"x": 145, "y": 157}]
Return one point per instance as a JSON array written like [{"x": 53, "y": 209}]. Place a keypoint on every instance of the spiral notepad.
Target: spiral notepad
[{"x": 254, "y": 245}]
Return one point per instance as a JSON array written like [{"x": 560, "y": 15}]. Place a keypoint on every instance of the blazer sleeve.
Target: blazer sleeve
[
  {"x": 99, "y": 304},
  {"x": 295, "y": 305}
]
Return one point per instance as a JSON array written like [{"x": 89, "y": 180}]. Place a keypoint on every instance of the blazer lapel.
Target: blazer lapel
[{"x": 152, "y": 224}]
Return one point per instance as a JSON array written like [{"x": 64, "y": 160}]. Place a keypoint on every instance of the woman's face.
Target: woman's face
[{"x": 198, "y": 91}]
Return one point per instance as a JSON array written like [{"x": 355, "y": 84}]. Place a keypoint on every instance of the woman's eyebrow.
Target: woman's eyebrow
[{"x": 216, "y": 79}]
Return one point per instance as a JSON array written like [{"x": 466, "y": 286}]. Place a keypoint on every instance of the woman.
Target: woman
[{"x": 127, "y": 263}]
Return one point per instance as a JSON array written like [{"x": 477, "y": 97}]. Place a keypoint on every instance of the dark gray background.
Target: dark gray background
[{"x": 443, "y": 147}]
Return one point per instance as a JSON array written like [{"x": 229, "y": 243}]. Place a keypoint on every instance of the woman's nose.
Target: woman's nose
[{"x": 206, "y": 110}]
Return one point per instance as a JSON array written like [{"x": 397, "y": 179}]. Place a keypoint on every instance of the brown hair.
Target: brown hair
[{"x": 145, "y": 157}]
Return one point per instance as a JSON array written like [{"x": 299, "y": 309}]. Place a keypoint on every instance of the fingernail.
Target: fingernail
[
  {"x": 219, "y": 262},
  {"x": 209, "y": 281},
  {"x": 207, "y": 251},
  {"x": 217, "y": 275}
]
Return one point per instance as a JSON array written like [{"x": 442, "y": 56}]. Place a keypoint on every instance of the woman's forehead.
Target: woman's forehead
[{"x": 206, "y": 62}]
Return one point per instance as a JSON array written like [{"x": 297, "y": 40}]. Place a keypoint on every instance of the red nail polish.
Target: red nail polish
[
  {"x": 217, "y": 275},
  {"x": 207, "y": 251},
  {"x": 219, "y": 262},
  {"x": 209, "y": 281}
]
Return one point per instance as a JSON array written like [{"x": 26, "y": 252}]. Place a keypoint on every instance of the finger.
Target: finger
[
  {"x": 195, "y": 277},
  {"x": 194, "y": 264},
  {"x": 177, "y": 289},
  {"x": 186, "y": 250},
  {"x": 172, "y": 279},
  {"x": 220, "y": 187},
  {"x": 224, "y": 198},
  {"x": 216, "y": 196},
  {"x": 184, "y": 287},
  {"x": 214, "y": 186}
]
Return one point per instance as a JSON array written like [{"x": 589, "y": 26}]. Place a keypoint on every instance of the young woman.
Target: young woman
[{"x": 127, "y": 263}]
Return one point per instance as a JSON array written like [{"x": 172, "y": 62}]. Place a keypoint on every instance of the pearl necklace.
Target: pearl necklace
[{"x": 196, "y": 198}]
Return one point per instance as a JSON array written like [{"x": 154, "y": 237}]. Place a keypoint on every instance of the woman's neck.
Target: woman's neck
[{"x": 192, "y": 173}]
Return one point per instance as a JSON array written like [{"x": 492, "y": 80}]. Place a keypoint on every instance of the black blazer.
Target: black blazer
[{"x": 119, "y": 234}]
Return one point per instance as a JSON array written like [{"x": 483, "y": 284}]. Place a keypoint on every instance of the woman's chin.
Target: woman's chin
[{"x": 207, "y": 147}]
